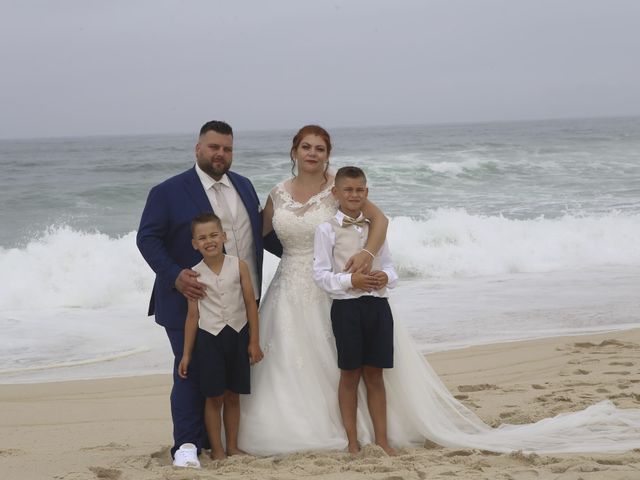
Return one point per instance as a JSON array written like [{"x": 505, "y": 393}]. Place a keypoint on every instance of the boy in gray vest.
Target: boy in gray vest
[
  {"x": 225, "y": 345},
  {"x": 360, "y": 314}
]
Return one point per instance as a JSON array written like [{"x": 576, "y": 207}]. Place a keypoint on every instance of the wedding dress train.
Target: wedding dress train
[{"x": 293, "y": 404}]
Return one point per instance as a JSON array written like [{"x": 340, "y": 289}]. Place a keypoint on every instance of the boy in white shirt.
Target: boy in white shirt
[{"x": 360, "y": 315}]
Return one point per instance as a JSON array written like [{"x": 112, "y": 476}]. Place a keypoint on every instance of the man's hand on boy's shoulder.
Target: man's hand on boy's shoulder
[
  {"x": 188, "y": 285},
  {"x": 362, "y": 281},
  {"x": 381, "y": 279}
]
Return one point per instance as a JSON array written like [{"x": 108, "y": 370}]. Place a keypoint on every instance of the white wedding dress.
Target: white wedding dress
[{"x": 293, "y": 404}]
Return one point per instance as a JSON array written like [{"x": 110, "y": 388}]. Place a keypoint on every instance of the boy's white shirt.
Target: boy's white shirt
[{"x": 336, "y": 284}]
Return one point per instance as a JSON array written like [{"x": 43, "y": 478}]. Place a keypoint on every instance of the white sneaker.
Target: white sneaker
[{"x": 186, "y": 456}]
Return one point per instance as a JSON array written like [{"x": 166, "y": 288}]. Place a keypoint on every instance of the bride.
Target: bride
[{"x": 293, "y": 404}]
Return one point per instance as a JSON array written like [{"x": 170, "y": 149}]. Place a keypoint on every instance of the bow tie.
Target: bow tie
[{"x": 348, "y": 221}]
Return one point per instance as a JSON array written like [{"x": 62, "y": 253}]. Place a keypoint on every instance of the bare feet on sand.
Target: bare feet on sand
[
  {"x": 388, "y": 450},
  {"x": 217, "y": 455},
  {"x": 235, "y": 451},
  {"x": 353, "y": 448}
]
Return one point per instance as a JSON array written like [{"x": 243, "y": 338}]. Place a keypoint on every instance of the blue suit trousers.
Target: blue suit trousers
[{"x": 187, "y": 402}]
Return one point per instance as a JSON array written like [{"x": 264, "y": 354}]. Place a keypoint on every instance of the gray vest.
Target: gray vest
[
  {"x": 223, "y": 303},
  {"x": 349, "y": 242}
]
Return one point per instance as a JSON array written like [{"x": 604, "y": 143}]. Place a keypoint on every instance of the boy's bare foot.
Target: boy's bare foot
[
  {"x": 217, "y": 455},
  {"x": 235, "y": 451},
  {"x": 353, "y": 448},
  {"x": 387, "y": 449}
]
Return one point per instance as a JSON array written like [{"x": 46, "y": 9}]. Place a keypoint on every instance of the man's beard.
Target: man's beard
[{"x": 212, "y": 170}]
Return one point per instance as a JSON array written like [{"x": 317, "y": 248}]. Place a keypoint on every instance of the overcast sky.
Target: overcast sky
[{"x": 86, "y": 67}]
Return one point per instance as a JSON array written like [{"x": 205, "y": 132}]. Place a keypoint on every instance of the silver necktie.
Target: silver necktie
[{"x": 224, "y": 211}]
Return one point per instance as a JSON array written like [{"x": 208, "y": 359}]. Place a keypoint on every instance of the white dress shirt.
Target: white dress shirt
[
  {"x": 338, "y": 284},
  {"x": 240, "y": 242},
  {"x": 229, "y": 192}
]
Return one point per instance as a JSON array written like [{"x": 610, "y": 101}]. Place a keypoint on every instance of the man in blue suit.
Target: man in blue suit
[{"x": 164, "y": 239}]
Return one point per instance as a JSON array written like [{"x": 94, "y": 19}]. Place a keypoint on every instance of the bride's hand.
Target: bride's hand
[{"x": 359, "y": 263}]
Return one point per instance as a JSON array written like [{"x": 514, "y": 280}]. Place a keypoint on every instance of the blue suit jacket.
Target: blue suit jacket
[{"x": 164, "y": 237}]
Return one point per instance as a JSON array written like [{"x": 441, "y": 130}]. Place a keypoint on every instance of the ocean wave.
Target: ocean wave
[
  {"x": 454, "y": 243},
  {"x": 421, "y": 163},
  {"x": 462, "y": 167},
  {"x": 75, "y": 363},
  {"x": 69, "y": 268}
]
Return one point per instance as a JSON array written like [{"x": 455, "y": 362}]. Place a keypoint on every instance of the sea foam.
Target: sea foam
[
  {"x": 67, "y": 268},
  {"x": 452, "y": 243}
]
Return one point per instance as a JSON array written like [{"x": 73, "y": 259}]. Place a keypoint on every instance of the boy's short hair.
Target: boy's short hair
[
  {"x": 205, "y": 218},
  {"x": 350, "y": 172}
]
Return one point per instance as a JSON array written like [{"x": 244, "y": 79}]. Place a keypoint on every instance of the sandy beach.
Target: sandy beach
[{"x": 120, "y": 428}]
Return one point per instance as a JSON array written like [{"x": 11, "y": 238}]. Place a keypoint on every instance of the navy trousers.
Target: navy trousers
[{"x": 187, "y": 403}]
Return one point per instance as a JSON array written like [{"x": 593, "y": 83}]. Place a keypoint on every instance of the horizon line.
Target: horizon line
[{"x": 336, "y": 127}]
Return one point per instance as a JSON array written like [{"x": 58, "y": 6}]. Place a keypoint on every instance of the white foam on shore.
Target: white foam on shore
[
  {"x": 77, "y": 343},
  {"x": 441, "y": 314},
  {"x": 76, "y": 363},
  {"x": 445, "y": 314}
]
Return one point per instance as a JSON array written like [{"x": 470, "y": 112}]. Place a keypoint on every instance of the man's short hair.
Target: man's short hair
[
  {"x": 218, "y": 127},
  {"x": 205, "y": 218},
  {"x": 350, "y": 172}
]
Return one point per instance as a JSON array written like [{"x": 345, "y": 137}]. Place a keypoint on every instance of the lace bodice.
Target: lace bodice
[
  {"x": 295, "y": 223},
  {"x": 292, "y": 287}
]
